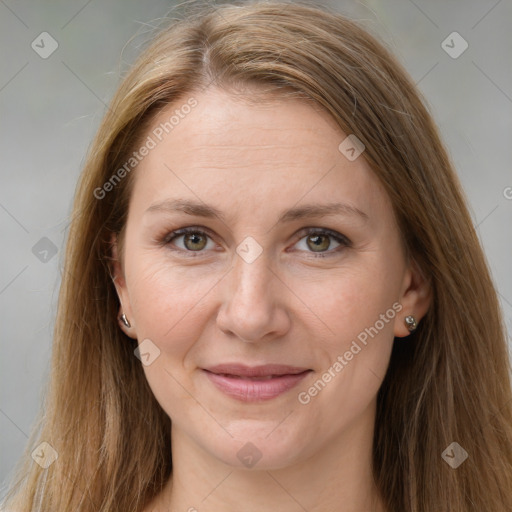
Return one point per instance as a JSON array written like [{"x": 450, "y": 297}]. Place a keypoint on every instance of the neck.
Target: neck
[{"x": 338, "y": 478}]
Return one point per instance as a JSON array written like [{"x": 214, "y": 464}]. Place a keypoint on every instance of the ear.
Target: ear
[
  {"x": 122, "y": 291},
  {"x": 415, "y": 298}
]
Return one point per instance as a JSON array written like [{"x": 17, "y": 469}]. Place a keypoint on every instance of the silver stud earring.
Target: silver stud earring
[
  {"x": 125, "y": 320},
  {"x": 411, "y": 323}
]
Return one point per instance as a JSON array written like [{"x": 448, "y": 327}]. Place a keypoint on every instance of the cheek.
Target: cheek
[
  {"x": 358, "y": 308},
  {"x": 353, "y": 300},
  {"x": 168, "y": 302},
  {"x": 169, "y": 305}
]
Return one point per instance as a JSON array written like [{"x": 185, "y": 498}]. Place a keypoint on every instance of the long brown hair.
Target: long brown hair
[{"x": 447, "y": 382}]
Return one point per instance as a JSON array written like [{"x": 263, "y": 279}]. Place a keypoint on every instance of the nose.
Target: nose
[{"x": 253, "y": 307}]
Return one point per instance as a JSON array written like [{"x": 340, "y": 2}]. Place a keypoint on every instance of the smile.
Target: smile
[{"x": 255, "y": 384}]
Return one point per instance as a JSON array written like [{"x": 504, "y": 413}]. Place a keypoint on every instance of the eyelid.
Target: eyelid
[
  {"x": 343, "y": 241},
  {"x": 166, "y": 240},
  {"x": 185, "y": 230},
  {"x": 303, "y": 232},
  {"x": 311, "y": 230}
]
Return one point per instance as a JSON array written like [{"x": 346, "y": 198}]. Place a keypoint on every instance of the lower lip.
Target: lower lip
[{"x": 247, "y": 390}]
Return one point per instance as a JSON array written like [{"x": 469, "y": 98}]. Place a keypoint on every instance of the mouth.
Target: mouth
[{"x": 256, "y": 383}]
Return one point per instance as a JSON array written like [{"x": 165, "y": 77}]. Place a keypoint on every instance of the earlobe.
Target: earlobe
[
  {"x": 126, "y": 325},
  {"x": 415, "y": 300},
  {"x": 125, "y": 321},
  {"x": 125, "y": 317}
]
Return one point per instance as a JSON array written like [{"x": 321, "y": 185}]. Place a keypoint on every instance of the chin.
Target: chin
[{"x": 259, "y": 447}]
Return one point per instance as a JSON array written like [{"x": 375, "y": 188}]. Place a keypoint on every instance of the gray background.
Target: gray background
[{"x": 50, "y": 109}]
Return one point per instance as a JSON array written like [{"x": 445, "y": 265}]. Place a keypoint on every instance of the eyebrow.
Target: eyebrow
[{"x": 309, "y": 210}]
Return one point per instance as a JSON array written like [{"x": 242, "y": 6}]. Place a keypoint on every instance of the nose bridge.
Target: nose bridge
[
  {"x": 251, "y": 273},
  {"x": 249, "y": 308},
  {"x": 252, "y": 277}
]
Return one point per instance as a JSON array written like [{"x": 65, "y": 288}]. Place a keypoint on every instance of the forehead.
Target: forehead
[
  {"x": 230, "y": 126},
  {"x": 227, "y": 150}
]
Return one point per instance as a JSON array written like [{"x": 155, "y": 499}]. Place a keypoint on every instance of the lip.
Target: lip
[{"x": 255, "y": 383}]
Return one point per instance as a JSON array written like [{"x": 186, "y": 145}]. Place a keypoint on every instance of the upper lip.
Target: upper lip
[{"x": 255, "y": 371}]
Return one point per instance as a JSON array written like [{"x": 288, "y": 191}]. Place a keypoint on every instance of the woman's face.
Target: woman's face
[{"x": 301, "y": 267}]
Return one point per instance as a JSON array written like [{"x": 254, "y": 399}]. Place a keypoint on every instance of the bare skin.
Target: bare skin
[{"x": 202, "y": 304}]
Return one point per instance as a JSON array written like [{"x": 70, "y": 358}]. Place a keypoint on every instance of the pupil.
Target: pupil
[
  {"x": 317, "y": 240},
  {"x": 194, "y": 238}
]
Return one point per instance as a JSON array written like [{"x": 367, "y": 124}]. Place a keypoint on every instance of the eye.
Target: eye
[
  {"x": 316, "y": 240},
  {"x": 193, "y": 239},
  {"x": 319, "y": 241}
]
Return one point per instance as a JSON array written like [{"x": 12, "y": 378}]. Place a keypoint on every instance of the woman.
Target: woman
[{"x": 275, "y": 298}]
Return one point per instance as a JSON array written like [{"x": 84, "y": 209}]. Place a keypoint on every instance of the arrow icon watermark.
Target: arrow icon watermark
[
  {"x": 351, "y": 147},
  {"x": 249, "y": 250},
  {"x": 454, "y": 455},
  {"x": 249, "y": 455},
  {"x": 147, "y": 352},
  {"x": 44, "y": 45}
]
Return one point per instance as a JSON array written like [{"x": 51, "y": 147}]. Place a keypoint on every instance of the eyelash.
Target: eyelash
[{"x": 341, "y": 239}]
